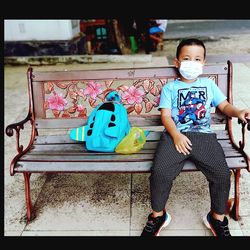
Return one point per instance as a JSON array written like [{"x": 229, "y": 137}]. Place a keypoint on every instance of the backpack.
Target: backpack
[{"x": 107, "y": 125}]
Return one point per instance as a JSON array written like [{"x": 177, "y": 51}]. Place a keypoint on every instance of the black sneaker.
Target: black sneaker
[
  {"x": 154, "y": 225},
  {"x": 218, "y": 228}
]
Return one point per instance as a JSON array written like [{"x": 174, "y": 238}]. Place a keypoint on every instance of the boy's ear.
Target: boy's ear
[{"x": 176, "y": 63}]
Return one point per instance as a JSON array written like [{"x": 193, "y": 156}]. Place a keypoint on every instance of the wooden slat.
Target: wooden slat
[
  {"x": 153, "y": 136},
  {"x": 84, "y": 167},
  {"x": 148, "y": 148},
  {"x": 76, "y": 122},
  {"x": 130, "y": 167},
  {"x": 229, "y": 152},
  {"x": 87, "y": 157},
  {"x": 38, "y": 99},
  {"x": 143, "y": 154},
  {"x": 168, "y": 71},
  {"x": 76, "y": 147},
  {"x": 135, "y": 121},
  {"x": 82, "y": 152},
  {"x": 55, "y": 139},
  {"x": 60, "y": 139},
  {"x": 40, "y": 76},
  {"x": 223, "y": 84},
  {"x": 79, "y": 148}
]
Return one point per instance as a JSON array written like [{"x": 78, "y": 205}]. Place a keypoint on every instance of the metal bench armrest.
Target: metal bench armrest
[
  {"x": 241, "y": 144},
  {"x": 244, "y": 123},
  {"x": 244, "y": 126},
  {"x": 17, "y": 126},
  {"x": 20, "y": 149}
]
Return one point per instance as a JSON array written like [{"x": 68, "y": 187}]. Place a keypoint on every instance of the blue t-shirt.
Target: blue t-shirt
[{"x": 191, "y": 103}]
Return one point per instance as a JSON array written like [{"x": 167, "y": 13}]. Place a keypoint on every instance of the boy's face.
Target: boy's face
[{"x": 190, "y": 53}]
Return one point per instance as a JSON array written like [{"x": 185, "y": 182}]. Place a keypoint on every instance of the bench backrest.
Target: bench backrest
[{"x": 64, "y": 99}]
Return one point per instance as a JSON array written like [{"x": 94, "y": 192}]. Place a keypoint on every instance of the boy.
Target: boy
[{"x": 185, "y": 112}]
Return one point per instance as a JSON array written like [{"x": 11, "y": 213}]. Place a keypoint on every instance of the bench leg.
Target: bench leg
[
  {"x": 27, "y": 195},
  {"x": 234, "y": 211}
]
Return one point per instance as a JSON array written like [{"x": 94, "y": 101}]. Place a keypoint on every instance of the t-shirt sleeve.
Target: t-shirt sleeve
[
  {"x": 218, "y": 96},
  {"x": 165, "y": 98}
]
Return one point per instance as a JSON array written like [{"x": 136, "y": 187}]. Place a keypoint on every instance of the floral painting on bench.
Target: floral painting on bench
[{"x": 77, "y": 98}]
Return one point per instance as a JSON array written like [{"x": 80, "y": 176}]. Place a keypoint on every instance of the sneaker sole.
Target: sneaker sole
[
  {"x": 208, "y": 225},
  {"x": 167, "y": 221}
]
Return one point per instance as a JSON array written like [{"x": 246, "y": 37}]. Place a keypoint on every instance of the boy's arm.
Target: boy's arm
[
  {"x": 168, "y": 122},
  {"x": 231, "y": 111},
  {"x": 181, "y": 142}
]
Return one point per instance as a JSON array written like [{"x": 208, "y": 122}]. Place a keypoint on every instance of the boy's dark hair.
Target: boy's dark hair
[{"x": 190, "y": 41}]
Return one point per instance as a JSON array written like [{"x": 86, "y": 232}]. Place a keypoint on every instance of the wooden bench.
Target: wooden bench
[{"x": 50, "y": 150}]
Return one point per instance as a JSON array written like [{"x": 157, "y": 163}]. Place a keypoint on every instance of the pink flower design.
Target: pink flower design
[
  {"x": 93, "y": 90},
  {"x": 57, "y": 102},
  {"x": 80, "y": 108},
  {"x": 157, "y": 100},
  {"x": 133, "y": 95}
]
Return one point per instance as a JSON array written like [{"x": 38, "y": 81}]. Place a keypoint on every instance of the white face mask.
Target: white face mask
[{"x": 190, "y": 70}]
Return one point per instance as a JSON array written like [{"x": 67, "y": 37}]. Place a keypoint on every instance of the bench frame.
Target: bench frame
[{"x": 38, "y": 120}]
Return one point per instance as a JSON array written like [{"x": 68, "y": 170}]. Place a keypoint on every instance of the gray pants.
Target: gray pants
[{"x": 209, "y": 157}]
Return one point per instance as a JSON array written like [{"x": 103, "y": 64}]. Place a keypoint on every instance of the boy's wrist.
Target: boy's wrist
[{"x": 175, "y": 133}]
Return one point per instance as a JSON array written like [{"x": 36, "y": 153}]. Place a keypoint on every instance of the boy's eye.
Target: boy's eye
[
  {"x": 185, "y": 59},
  {"x": 198, "y": 59}
]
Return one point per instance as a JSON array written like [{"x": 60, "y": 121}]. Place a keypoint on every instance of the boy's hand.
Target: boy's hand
[
  {"x": 244, "y": 114},
  {"x": 182, "y": 143}
]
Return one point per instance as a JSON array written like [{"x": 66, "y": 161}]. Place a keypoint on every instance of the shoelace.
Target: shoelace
[
  {"x": 150, "y": 226},
  {"x": 224, "y": 231}
]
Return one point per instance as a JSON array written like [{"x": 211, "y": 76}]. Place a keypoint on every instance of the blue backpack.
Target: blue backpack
[{"x": 107, "y": 125}]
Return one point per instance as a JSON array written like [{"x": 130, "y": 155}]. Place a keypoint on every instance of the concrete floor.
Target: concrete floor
[{"x": 108, "y": 204}]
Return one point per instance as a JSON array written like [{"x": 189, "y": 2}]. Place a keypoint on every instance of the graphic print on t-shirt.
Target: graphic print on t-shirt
[{"x": 191, "y": 105}]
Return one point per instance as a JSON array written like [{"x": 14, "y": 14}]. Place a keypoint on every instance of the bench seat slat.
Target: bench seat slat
[
  {"x": 46, "y": 157},
  {"x": 83, "y": 152},
  {"x": 229, "y": 152},
  {"x": 87, "y": 158},
  {"x": 154, "y": 135},
  {"x": 58, "y": 139},
  {"x": 136, "y": 167},
  {"x": 77, "y": 148}
]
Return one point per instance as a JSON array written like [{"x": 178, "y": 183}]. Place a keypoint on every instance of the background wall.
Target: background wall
[{"x": 30, "y": 30}]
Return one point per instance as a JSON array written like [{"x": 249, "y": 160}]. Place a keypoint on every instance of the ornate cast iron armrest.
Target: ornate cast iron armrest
[
  {"x": 244, "y": 126},
  {"x": 240, "y": 147},
  {"x": 17, "y": 126},
  {"x": 243, "y": 130}
]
